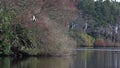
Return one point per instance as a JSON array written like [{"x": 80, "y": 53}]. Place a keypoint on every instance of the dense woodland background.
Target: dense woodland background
[{"x": 59, "y": 27}]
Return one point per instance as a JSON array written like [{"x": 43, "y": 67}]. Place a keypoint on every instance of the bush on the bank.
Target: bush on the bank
[
  {"x": 49, "y": 40},
  {"x": 82, "y": 39},
  {"x": 86, "y": 40},
  {"x": 6, "y": 17},
  {"x": 100, "y": 43},
  {"x": 43, "y": 37},
  {"x": 13, "y": 36}
]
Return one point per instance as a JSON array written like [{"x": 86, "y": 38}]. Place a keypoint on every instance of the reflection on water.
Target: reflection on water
[
  {"x": 4, "y": 63},
  {"x": 32, "y": 62},
  {"x": 97, "y": 59},
  {"x": 83, "y": 59}
]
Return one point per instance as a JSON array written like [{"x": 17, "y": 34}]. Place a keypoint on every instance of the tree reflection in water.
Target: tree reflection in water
[
  {"x": 83, "y": 59},
  {"x": 4, "y": 62},
  {"x": 97, "y": 59},
  {"x": 33, "y": 62}
]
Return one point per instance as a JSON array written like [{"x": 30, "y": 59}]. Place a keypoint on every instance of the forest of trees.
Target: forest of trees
[
  {"x": 102, "y": 19},
  {"x": 102, "y": 12}
]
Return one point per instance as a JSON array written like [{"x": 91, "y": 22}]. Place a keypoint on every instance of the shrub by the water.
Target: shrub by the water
[
  {"x": 46, "y": 36},
  {"x": 50, "y": 40},
  {"x": 86, "y": 40},
  {"x": 82, "y": 39},
  {"x": 100, "y": 43}
]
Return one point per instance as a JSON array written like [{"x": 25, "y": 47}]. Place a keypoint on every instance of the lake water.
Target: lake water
[{"x": 85, "y": 58}]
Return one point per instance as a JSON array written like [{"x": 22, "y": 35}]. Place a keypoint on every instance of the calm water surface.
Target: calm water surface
[{"x": 85, "y": 58}]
